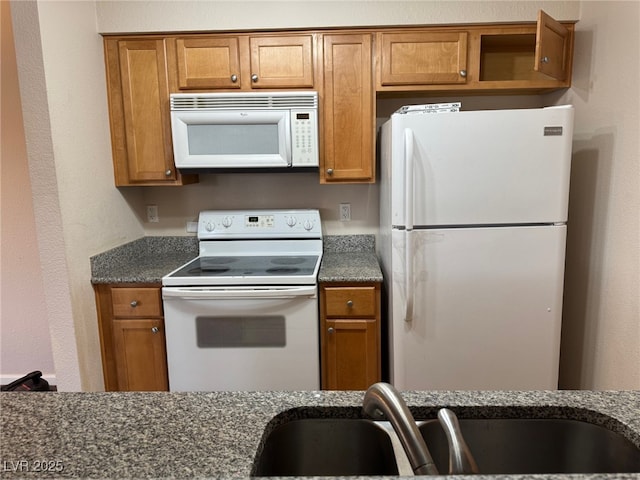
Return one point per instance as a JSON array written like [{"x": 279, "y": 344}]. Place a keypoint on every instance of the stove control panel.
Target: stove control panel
[{"x": 219, "y": 224}]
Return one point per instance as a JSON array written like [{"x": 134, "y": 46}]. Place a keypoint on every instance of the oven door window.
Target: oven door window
[{"x": 241, "y": 332}]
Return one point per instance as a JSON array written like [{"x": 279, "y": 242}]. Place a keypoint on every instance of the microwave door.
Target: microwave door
[{"x": 231, "y": 139}]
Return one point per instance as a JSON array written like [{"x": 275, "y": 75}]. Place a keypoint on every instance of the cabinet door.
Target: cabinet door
[
  {"x": 351, "y": 354},
  {"x": 348, "y": 118},
  {"x": 145, "y": 96},
  {"x": 423, "y": 58},
  {"x": 138, "y": 91},
  {"x": 281, "y": 62},
  {"x": 553, "y": 46},
  {"x": 141, "y": 359},
  {"x": 211, "y": 62}
]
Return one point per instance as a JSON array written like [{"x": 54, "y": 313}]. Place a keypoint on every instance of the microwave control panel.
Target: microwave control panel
[{"x": 304, "y": 138}]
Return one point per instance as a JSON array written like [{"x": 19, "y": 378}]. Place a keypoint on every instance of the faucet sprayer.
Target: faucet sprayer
[{"x": 383, "y": 400}]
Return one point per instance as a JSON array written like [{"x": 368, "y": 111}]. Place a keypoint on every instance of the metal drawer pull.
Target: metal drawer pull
[
  {"x": 134, "y": 303},
  {"x": 350, "y": 303},
  {"x": 155, "y": 330},
  {"x": 331, "y": 330}
]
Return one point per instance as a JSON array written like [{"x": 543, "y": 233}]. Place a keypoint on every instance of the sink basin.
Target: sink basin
[
  {"x": 529, "y": 446},
  {"x": 319, "y": 446},
  {"x": 342, "y": 447}
]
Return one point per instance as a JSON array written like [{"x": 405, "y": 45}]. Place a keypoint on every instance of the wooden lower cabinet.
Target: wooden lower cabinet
[
  {"x": 350, "y": 335},
  {"x": 132, "y": 337}
]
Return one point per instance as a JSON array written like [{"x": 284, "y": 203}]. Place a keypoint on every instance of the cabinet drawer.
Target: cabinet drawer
[
  {"x": 136, "y": 302},
  {"x": 350, "y": 301}
]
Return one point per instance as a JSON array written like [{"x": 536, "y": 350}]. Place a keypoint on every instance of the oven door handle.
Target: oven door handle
[{"x": 200, "y": 293}]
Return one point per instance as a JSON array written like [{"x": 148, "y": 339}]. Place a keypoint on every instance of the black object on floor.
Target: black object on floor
[{"x": 32, "y": 382}]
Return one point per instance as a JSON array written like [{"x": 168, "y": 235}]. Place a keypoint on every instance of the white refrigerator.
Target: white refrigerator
[{"x": 473, "y": 214}]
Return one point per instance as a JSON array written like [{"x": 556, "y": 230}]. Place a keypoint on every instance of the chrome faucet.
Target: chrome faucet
[
  {"x": 461, "y": 460},
  {"x": 383, "y": 400}
]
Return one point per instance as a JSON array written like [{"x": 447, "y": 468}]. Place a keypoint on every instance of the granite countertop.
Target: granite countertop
[
  {"x": 346, "y": 258},
  {"x": 145, "y": 260},
  {"x": 349, "y": 258},
  {"x": 217, "y": 434}
]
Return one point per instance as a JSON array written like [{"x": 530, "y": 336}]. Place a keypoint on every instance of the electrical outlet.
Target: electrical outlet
[
  {"x": 345, "y": 212},
  {"x": 152, "y": 214}
]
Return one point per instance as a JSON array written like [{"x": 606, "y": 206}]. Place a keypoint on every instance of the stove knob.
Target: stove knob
[
  {"x": 227, "y": 221},
  {"x": 308, "y": 225},
  {"x": 291, "y": 221},
  {"x": 209, "y": 227}
]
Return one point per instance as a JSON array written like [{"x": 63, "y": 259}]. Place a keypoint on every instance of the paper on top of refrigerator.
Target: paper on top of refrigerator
[{"x": 431, "y": 108}]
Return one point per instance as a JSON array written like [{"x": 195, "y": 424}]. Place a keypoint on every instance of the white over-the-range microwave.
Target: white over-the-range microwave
[{"x": 251, "y": 130}]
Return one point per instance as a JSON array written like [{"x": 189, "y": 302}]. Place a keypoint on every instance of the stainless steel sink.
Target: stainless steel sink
[
  {"x": 529, "y": 446},
  {"x": 341, "y": 447},
  {"x": 316, "y": 447}
]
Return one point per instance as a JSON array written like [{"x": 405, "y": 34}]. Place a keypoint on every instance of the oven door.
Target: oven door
[
  {"x": 242, "y": 338},
  {"x": 231, "y": 139}
]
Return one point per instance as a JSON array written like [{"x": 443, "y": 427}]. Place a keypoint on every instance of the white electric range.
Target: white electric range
[{"x": 243, "y": 315}]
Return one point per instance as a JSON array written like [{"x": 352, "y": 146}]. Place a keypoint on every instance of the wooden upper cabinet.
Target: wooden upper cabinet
[
  {"x": 212, "y": 62},
  {"x": 349, "y": 114},
  {"x": 553, "y": 48},
  {"x": 244, "y": 62},
  {"x": 422, "y": 58},
  {"x": 281, "y": 62},
  {"x": 138, "y": 91},
  {"x": 509, "y": 58},
  {"x": 523, "y": 57}
]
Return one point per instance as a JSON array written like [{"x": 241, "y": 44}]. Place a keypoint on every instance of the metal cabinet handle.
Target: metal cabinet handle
[
  {"x": 463, "y": 73},
  {"x": 329, "y": 171},
  {"x": 254, "y": 78},
  {"x": 134, "y": 303},
  {"x": 544, "y": 59},
  {"x": 155, "y": 330},
  {"x": 331, "y": 330},
  {"x": 350, "y": 303},
  {"x": 234, "y": 78},
  {"x": 168, "y": 173}
]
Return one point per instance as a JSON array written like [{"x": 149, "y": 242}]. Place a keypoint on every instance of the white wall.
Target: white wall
[
  {"x": 94, "y": 215},
  {"x": 25, "y": 340},
  {"x": 168, "y": 15},
  {"x": 78, "y": 212},
  {"x": 601, "y": 330}
]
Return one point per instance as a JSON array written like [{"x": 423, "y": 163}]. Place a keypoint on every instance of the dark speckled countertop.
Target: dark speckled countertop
[
  {"x": 145, "y": 260},
  {"x": 218, "y": 434},
  {"x": 349, "y": 258},
  {"x": 346, "y": 258}
]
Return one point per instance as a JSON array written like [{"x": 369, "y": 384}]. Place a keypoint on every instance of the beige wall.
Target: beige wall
[
  {"x": 94, "y": 215},
  {"x": 25, "y": 340},
  {"x": 601, "y": 325}
]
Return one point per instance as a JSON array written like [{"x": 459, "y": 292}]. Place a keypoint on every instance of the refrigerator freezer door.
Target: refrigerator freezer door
[
  {"x": 487, "y": 308},
  {"x": 480, "y": 167}
]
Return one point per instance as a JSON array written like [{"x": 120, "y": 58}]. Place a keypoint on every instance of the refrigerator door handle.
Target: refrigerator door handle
[
  {"x": 408, "y": 221},
  {"x": 408, "y": 178},
  {"x": 408, "y": 271}
]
